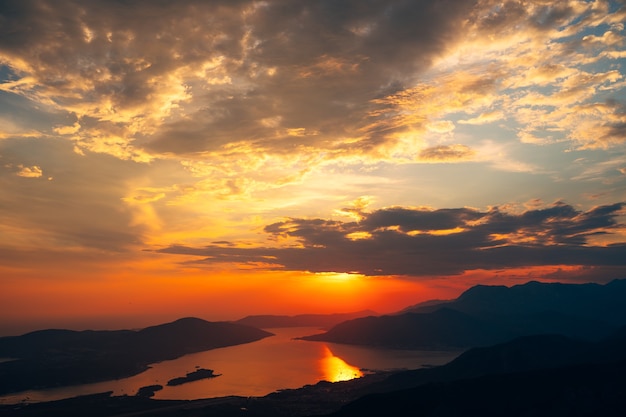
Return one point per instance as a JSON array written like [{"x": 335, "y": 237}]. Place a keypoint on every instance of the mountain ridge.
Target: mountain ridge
[
  {"x": 492, "y": 314},
  {"x": 545, "y": 375}
]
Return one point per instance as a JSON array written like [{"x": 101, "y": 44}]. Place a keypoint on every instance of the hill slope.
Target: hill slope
[
  {"x": 594, "y": 301},
  {"x": 485, "y": 315},
  {"x": 52, "y": 358},
  {"x": 545, "y": 375}
]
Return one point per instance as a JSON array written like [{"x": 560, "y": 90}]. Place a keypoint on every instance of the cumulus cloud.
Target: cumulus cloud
[
  {"x": 29, "y": 172},
  {"x": 415, "y": 242},
  {"x": 191, "y": 76}
]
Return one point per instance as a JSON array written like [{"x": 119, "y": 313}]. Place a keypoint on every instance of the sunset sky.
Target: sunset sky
[{"x": 161, "y": 159}]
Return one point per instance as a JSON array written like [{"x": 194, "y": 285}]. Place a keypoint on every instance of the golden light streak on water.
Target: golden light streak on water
[{"x": 336, "y": 369}]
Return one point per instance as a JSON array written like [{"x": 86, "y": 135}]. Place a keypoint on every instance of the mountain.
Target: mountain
[
  {"x": 543, "y": 375},
  {"x": 51, "y": 358},
  {"x": 578, "y": 390},
  {"x": 594, "y": 301},
  {"x": 444, "y": 328},
  {"x": 447, "y": 328},
  {"x": 423, "y": 306},
  {"x": 526, "y": 353},
  {"x": 302, "y": 320},
  {"x": 485, "y": 315}
]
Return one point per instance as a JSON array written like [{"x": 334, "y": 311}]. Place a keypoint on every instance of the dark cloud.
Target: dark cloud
[
  {"x": 413, "y": 242},
  {"x": 331, "y": 59},
  {"x": 326, "y": 60},
  {"x": 89, "y": 51},
  {"x": 315, "y": 66},
  {"x": 408, "y": 220}
]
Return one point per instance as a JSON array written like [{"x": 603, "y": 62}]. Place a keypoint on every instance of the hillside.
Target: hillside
[
  {"x": 577, "y": 390},
  {"x": 545, "y": 375},
  {"x": 594, "y": 301},
  {"x": 485, "y": 315},
  {"x": 52, "y": 358}
]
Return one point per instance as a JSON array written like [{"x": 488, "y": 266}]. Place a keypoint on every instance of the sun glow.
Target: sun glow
[
  {"x": 339, "y": 276},
  {"x": 336, "y": 369}
]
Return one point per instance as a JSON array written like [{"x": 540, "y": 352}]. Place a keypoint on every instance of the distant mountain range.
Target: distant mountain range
[
  {"x": 302, "y": 320},
  {"x": 544, "y": 374},
  {"x": 51, "y": 358},
  {"x": 595, "y": 301},
  {"x": 484, "y": 315}
]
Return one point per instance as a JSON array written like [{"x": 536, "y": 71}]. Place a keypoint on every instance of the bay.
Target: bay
[{"x": 253, "y": 369}]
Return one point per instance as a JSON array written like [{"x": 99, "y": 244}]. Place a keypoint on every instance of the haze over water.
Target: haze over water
[{"x": 254, "y": 369}]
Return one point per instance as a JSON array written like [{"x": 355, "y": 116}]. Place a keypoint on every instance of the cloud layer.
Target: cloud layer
[
  {"x": 146, "y": 80},
  {"x": 421, "y": 242},
  {"x": 129, "y": 125}
]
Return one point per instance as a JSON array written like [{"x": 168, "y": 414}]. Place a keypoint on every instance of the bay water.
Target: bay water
[{"x": 253, "y": 369}]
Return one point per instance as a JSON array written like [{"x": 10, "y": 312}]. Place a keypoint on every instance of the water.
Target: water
[{"x": 253, "y": 369}]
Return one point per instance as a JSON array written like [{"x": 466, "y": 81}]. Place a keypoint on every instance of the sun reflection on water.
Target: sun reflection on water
[{"x": 336, "y": 369}]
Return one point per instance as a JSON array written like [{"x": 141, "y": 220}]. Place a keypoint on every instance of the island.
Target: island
[
  {"x": 148, "y": 391},
  {"x": 192, "y": 376}
]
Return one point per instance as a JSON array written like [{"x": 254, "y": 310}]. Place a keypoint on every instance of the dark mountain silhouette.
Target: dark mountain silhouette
[
  {"x": 578, "y": 390},
  {"x": 443, "y": 328},
  {"x": 447, "y": 328},
  {"x": 302, "y": 320},
  {"x": 417, "y": 308},
  {"x": 522, "y": 354},
  {"x": 594, "y": 301},
  {"x": 485, "y": 315},
  {"x": 51, "y": 358},
  {"x": 546, "y": 375},
  {"x": 550, "y": 371}
]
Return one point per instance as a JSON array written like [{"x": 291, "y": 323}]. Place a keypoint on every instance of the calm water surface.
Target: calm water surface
[{"x": 254, "y": 369}]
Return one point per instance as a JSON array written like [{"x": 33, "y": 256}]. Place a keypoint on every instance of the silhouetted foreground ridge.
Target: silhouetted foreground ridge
[{"x": 544, "y": 375}]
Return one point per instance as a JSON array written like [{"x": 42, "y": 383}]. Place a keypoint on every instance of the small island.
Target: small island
[
  {"x": 148, "y": 391},
  {"x": 192, "y": 376}
]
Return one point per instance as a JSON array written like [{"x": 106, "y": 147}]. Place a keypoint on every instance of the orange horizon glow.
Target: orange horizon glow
[{"x": 155, "y": 291}]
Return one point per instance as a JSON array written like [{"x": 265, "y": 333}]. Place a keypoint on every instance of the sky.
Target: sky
[{"x": 161, "y": 159}]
